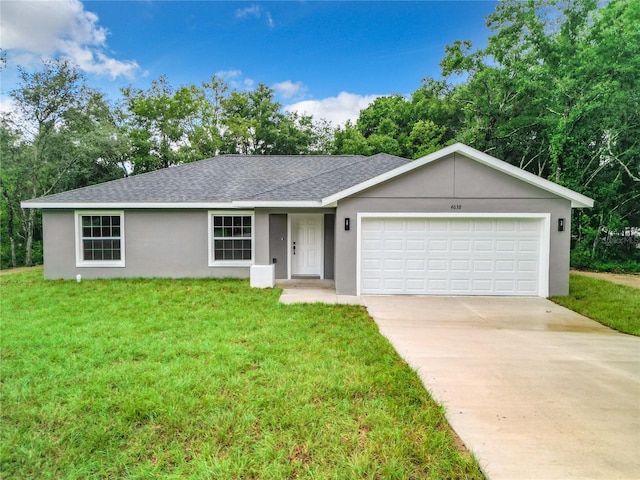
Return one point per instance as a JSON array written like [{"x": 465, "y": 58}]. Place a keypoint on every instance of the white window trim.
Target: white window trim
[
  {"x": 80, "y": 262},
  {"x": 231, "y": 263},
  {"x": 545, "y": 237}
]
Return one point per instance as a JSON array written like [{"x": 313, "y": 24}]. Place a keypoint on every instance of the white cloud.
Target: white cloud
[
  {"x": 337, "y": 110},
  {"x": 289, "y": 89},
  {"x": 256, "y": 11},
  {"x": 7, "y": 105},
  {"x": 229, "y": 74},
  {"x": 235, "y": 79},
  {"x": 45, "y": 29},
  {"x": 252, "y": 11}
]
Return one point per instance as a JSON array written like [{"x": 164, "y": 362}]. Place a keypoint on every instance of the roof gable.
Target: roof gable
[{"x": 577, "y": 200}]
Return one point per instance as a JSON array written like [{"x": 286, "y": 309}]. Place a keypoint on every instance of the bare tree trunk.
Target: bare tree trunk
[
  {"x": 10, "y": 225},
  {"x": 28, "y": 227},
  {"x": 596, "y": 240},
  {"x": 12, "y": 246}
]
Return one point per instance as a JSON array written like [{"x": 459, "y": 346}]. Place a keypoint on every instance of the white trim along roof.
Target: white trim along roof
[{"x": 577, "y": 200}]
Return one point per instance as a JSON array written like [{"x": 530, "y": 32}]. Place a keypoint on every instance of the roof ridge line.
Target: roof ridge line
[{"x": 306, "y": 179}]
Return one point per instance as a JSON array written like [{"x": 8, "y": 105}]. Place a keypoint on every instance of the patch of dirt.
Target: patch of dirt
[
  {"x": 620, "y": 278},
  {"x": 19, "y": 269}
]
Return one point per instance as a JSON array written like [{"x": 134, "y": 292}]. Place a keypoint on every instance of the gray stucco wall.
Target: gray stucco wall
[
  {"x": 158, "y": 243},
  {"x": 454, "y": 180},
  {"x": 278, "y": 243},
  {"x": 329, "y": 245}
]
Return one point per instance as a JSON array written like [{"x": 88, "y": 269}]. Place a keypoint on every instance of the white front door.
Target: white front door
[{"x": 306, "y": 245}]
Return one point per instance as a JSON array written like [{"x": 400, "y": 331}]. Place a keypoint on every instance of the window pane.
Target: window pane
[
  {"x": 101, "y": 237},
  {"x": 232, "y": 237}
]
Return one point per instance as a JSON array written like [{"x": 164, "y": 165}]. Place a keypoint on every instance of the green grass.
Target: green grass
[
  {"x": 617, "y": 306},
  {"x": 207, "y": 379}
]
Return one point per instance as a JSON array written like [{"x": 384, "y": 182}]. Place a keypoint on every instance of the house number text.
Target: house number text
[{"x": 456, "y": 207}]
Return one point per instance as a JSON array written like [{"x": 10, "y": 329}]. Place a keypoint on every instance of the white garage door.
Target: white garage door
[{"x": 450, "y": 256}]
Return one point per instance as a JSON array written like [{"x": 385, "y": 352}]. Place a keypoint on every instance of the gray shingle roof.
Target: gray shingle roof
[{"x": 230, "y": 178}]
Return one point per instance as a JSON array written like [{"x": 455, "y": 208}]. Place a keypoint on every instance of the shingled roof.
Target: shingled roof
[{"x": 232, "y": 178}]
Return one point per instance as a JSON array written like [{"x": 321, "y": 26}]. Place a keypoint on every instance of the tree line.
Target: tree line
[{"x": 556, "y": 91}]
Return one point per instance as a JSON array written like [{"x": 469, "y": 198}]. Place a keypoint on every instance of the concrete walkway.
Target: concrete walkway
[
  {"x": 312, "y": 291},
  {"x": 536, "y": 391}
]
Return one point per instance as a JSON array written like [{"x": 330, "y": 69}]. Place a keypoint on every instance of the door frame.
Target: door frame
[
  {"x": 290, "y": 241},
  {"x": 545, "y": 238}
]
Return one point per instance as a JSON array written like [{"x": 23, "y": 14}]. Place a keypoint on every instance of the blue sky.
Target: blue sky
[{"x": 327, "y": 58}]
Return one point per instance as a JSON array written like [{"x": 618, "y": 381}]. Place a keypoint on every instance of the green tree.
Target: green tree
[
  {"x": 254, "y": 124},
  {"x": 556, "y": 92},
  {"x": 61, "y": 136},
  {"x": 156, "y": 121},
  {"x": 400, "y": 126}
]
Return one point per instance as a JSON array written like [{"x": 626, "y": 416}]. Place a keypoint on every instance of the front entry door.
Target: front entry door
[{"x": 306, "y": 245}]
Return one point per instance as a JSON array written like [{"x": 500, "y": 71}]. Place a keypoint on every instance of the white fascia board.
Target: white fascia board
[
  {"x": 577, "y": 200},
  {"x": 125, "y": 205},
  {"x": 172, "y": 205}
]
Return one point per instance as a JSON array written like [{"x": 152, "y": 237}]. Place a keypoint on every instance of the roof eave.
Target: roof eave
[
  {"x": 124, "y": 205},
  {"x": 172, "y": 205}
]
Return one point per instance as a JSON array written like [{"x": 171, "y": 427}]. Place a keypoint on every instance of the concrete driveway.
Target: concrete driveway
[{"x": 536, "y": 391}]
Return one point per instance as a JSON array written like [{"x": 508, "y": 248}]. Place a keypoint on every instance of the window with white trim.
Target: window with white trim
[
  {"x": 100, "y": 239},
  {"x": 230, "y": 238}
]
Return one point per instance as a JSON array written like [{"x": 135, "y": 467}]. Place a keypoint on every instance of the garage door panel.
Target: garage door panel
[
  {"x": 448, "y": 256},
  {"x": 527, "y": 246},
  {"x": 461, "y": 226},
  {"x": 482, "y": 266},
  {"x": 528, "y": 266},
  {"x": 416, "y": 265},
  {"x": 505, "y": 266},
  {"x": 505, "y": 246},
  {"x": 460, "y": 266},
  {"x": 438, "y": 246},
  {"x": 461, "y": 246},
  {"x": 439, "y": 265}
]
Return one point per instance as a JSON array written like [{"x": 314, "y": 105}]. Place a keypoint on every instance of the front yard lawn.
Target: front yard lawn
[
  {"x": 617, "y": 306},
  {"x": 206, "y": 379}
]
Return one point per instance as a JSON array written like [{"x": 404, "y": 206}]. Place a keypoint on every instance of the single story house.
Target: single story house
[{"x": 455, "y": 222}]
